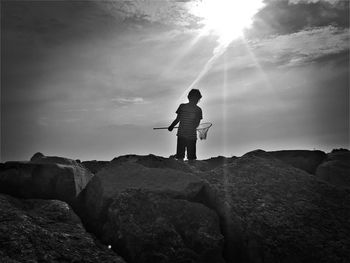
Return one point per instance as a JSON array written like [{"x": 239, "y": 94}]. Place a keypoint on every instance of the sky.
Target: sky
[{"x": 89, "y": 80}]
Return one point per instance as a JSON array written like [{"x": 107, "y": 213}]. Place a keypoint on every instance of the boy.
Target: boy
[{"x": 189, "y": 116}]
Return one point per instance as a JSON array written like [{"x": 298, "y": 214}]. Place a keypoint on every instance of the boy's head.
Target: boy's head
[{"x": 194, "y": 95}]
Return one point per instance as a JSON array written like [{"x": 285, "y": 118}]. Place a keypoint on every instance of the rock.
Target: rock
[
  {"x": 95, "y": 166},
  {"x": 37, "y": 156},
  {"x": 214, "y": 162},
  {"x": 44, "y": 177},
  {"x": 119, "y": 176},
  {"x": 307, "y": 161},
  {"x": 339, "y": 155},
  {"x": 40, "y": 158},
  {"x": 336, "y": 168},
  {"x": 146, "y": 227},
  {"x": 152, "y": 161},
  {"x": 302, "y": 159},
  {"x": 145, "y": 210},
  {"x": 46, "y": 231},
  {"x": 273, "y": 212}
]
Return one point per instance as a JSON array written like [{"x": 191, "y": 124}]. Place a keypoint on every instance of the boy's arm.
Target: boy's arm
[{"x": 176, "y": 121}]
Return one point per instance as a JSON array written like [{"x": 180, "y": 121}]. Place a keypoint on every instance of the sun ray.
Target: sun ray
[
  {"x": 268, "y": 84},
  {"x": 225, "y": 18},
  {"x": 185, "y": 51}
]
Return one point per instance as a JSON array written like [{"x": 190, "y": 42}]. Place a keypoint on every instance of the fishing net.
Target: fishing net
[{"x": 203, "y": 129}]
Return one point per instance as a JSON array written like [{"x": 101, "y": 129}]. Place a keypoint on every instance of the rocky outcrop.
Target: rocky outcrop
[
  {"x": 95, "y": 166},
  {"x": 40, "y": 158},
  {"x": 336, "y": 168},
  {"x": 261, "y": 207},
  {"x": 144, "y": 209},
  {"x": 147, "y": 227},
  {"x": 123, "y": 175},
  {"x": 46, "y": 231},
  {"x": 153, "y": 161},
  {"x": 273, "y": 212},
  {"x": 44, "y": 177},
  {"x": 302, "y": 159}
]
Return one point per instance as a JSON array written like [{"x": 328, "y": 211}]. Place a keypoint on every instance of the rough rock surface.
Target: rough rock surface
[
  {"x": 155, "y": 209},
  {"x": 95, "y": 166},
  {"x": 40, "y": 158},
  {"x": 336, "y": 168},
  {"x": 302, "y": 159},
  {"x": 81, "y": 175},
  {"x": 153, "y": 161},
  {"x": 44, "y": 177},
  {"x": 142, "y": 206},
  {"x": 121, "y": 175},
  {"x": 273, "y": 212},
  {"x": 146, "y": 227},
  {"x": 46, "y": 231}
]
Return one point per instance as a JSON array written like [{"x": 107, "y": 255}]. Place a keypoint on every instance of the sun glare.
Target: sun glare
[{"x": 226, "y": 18}]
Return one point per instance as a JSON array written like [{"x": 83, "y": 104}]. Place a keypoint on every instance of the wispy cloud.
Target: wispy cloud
[
  {"x": 291, "y": 16},
  {"x": 56, "y": 122},
  {"x": 165, "y": 12},
  {"x": 129, "y": 100},
  {"x": 302, "y": 47},
  {"x": 313, "y": 1}
]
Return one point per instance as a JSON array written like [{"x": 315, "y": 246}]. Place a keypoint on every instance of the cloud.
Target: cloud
[
  {"x": 165, "y": 12},
  {"x": 286, "y": 17},
  {"x": 292, "y": 50},
  {"x": 313, "y": 1},
  {"x": 302, "y": 47},
  {"x": 129, "y": 100}
]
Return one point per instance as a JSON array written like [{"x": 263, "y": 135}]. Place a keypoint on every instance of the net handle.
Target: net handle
[
  {"x": 204, "y": 123},
  {"x": 163, "y": 128}
]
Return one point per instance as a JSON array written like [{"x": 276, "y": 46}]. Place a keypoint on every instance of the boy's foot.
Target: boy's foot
[{"x": 174, "y": 157}]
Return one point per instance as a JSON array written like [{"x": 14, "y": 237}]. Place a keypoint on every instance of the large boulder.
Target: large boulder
[
  {"x": 153, "y": 161},
  {"x": 148, "y": 212},
  {"x": 40, "y": 158},
  {"x": 121, "y": 175},
  {"x": 147, "y": 227},
  {"x": 273, "y": 212},
  {"x": 44, "y": 177},
  {"x": 302, "y": 159},
  {"x": 336, "y": 168},
  {"x": 211, "y": 163},
  {"x": 46, "y": 231},
  {"x": 95, "y": 166}
]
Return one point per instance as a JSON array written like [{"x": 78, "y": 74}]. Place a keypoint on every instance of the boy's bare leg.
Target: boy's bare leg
[{"x": 180, "y": 148}]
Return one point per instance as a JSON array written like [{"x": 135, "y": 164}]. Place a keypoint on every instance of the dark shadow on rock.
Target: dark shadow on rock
[
  {"x": 336, "y": 168},
  {"x": 121, "y": 175},
  {"x": 95, "y": 166},
  {"x": 305, "y": 160},
  {"x": 36, "y": 230},
  {"x": 147, "y": 227},
  {"x": 273, "y": 212}
]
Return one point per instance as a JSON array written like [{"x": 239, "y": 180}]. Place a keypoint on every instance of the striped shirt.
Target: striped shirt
[{"x": 189, "y": 115}]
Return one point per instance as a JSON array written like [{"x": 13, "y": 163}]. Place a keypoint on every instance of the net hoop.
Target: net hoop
[{"x": 203, "y": 129}]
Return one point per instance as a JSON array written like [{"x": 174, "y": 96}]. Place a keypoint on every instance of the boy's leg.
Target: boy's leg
[
  {"x": 191, "y": 149},
  {"x": 180, "y": 149}
]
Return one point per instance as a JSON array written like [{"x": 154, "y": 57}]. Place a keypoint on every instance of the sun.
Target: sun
[{"x": 226, "y": 18}]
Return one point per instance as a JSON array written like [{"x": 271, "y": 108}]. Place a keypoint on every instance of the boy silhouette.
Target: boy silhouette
[{"x": 189, "y": 116}]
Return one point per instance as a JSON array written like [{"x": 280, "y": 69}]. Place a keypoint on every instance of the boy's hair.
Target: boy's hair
[{"x": 194, "y": 94}]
